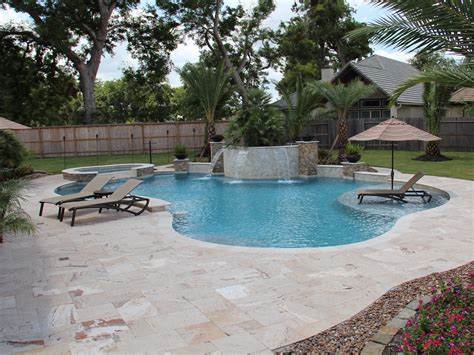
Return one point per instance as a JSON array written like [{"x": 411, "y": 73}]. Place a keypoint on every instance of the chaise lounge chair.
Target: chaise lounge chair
[
  {"x": 407, "y": 190},
  {"x": 97, "y": 183},
  {"x": 119, "y": 200}
]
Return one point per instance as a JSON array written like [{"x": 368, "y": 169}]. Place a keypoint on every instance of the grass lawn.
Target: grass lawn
[{"x": 461, "y": 166}]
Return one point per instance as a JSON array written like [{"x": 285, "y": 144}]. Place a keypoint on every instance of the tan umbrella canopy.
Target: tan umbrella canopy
[
  {"x": 394, "y": 130},
  {"x": 7, "y": 124}
]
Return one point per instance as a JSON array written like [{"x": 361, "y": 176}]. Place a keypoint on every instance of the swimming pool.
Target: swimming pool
[{"x": 268, "y": 213}]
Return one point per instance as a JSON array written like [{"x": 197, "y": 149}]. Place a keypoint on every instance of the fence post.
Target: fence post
[
  {"x": 149, "y": 149},
  {"x": 194, "y": 142},
  {"x": 143, "y": 138},
  {"x": 168, "y": 145},
  {"x": 64, "y": 151},
  {"x": 97, "y": 148},
  {"x": 74, "y": 136},
  {"x": 109, "y": 140},
  {"x": 132, "y": 147},
  {"x": 40, "y": 138},
  {"x": 178, "y": 136}
]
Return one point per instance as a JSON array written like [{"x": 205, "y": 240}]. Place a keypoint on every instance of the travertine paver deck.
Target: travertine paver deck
[{"x": 132, "y": 284}]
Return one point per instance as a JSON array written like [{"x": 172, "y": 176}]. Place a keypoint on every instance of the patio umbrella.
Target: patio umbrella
[{"x": 393, "y": 130}]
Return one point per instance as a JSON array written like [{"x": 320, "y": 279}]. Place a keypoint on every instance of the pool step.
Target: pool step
[{"x": 155, "y": 205}]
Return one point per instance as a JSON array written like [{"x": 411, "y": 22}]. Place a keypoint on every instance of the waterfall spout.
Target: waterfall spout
[
  {"x": 240, "y": 163},
  {"x": 214, "y": 161},
  {"x": 282, "y": 163}
]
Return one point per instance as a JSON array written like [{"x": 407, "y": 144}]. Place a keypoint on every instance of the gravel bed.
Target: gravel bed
[{"x": 351, "y": 335}]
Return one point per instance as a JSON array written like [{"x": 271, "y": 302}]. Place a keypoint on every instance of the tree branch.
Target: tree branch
[{"x": 87, "y": 29}]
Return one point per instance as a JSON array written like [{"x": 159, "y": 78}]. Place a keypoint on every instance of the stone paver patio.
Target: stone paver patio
[{"x": 132, "y": 284}]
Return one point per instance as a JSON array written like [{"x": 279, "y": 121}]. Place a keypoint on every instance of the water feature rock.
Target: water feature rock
[
  {"x": 277, "y": 162},
  {"x": 308, "y": 157},
  {"x": 181, "y": 165},
  {"x": 217, "y": 157}
]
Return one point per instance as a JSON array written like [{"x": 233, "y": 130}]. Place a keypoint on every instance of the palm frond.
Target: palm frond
[
  {"x": 426, "y": 25},
  {"x": 300, "y": 109},
  {"x": 207, "y": 84},
  {"x": 17, "y": 221},
  {"x": 13, "y": 219},
  {"x": 341, "y": 96},
  {"x": 452, "y": 75},
  {"x": 11, "y": 194}
]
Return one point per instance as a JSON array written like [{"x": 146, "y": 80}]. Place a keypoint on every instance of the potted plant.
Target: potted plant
[
  {"x": 217, "y": 138},
  {"x": 353, "y": 152},
  {"x": 180, "y": 151}
]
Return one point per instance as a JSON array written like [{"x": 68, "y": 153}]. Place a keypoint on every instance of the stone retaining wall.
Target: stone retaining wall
[{"x": 308, "y": 158}]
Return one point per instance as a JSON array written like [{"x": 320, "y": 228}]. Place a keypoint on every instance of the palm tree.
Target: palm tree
[
  {"x": 13, "y": 219},
  {"x": 300, "y": 107},
  {"x": 343, "y": 97},
  {"x": 435, "y": 99},
  {"x": 428, "y": 26},
  {"x": 208, "y": 86}
]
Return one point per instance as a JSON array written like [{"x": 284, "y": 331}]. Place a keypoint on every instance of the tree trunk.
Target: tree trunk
[
  {"x": 343, "y": 132},
  {"x": 228, "y": 64},
  {"x": 211, "y": 130},
  {"x": 87, "y": 82},
  {"x": 432, "y": 149}
]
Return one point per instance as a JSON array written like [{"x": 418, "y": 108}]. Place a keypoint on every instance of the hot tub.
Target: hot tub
[{"x": 118, "y": 171}]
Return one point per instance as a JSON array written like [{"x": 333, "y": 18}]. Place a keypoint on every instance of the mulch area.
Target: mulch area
[{"x": 351, "y": 335}]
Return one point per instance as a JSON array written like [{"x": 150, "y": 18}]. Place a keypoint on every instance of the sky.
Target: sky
[{"x": 111, "y": 66}]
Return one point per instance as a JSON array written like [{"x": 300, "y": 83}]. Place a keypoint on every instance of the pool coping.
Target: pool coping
[
  {"x": 374, "y": 241},
  {"x": 250, "y": 299}
]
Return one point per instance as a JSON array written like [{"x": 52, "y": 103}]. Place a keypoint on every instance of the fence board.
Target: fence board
[{"x": 457, "y": 134}]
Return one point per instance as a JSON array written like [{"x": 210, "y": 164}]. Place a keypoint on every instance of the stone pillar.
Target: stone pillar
[
  {"x": 308, "y": 157},
  {"x": 348, "y": 169},
  {"x": 215, "y": 147},
  {"x": 181, "y": 165}
]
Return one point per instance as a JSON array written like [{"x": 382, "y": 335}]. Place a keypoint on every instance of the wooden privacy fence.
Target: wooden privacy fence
[
  {"x": 114, "y": 139},
  {"x": 457, "y": 133}
]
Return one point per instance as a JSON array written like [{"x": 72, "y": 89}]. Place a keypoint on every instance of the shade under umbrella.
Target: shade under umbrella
[{"x": 393, "y": 130}]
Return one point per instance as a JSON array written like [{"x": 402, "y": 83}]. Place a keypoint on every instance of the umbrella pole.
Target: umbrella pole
[{"x": 391, "y": 173}]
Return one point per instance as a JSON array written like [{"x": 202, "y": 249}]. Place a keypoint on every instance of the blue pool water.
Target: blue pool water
[{"x": 304, "y": 213}]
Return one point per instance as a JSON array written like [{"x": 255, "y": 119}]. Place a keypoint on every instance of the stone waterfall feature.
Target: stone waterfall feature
[
  {"x": 217, "y": 158},
  {"x": 276, "y": 162}
]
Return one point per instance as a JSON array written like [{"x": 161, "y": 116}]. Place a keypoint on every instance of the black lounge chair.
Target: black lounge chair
[
  {"x": 119, "y": 200},
  {"x": 407, "y": 190}
]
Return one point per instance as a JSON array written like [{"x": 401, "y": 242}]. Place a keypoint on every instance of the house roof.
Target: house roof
[
  {"x": 7, "y": 124},
  {"x": 463, "y": 95},
  {"x": 387, "y": 74},
  {"x": 281, "y": 103}
]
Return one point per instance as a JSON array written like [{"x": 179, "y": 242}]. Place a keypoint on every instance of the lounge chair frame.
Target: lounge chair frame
[
  {"x": 97, "y": 183},
  {"x": 128, "y": 202},
  {"x": 407, "y": 190},
  {"x": 426, "y": 197}
]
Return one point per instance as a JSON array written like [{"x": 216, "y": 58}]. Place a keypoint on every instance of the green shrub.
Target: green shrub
[
  {"x": 443, "y": 325},
  {"x": 180, "y": 150},
  {"x": 15, "y": 173},
  {"x": 324, "y": 158},
  {"x": 12, "y": 152},
  {"x": 257, "y": 123},
  {"x": 354, "y": 149},
  {"x": 13, "y": 219}
]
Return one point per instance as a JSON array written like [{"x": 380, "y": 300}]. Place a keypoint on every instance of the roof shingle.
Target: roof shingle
[{"x": 387, "y": 74}]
